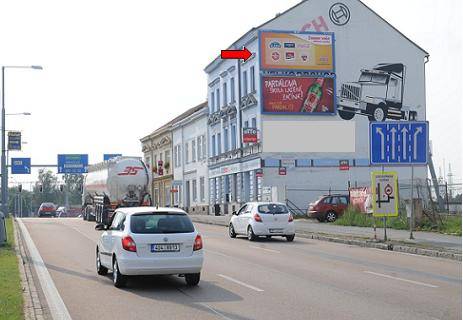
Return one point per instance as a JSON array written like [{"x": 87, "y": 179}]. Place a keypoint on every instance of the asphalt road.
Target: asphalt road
[{"x": 267, "y": 279}]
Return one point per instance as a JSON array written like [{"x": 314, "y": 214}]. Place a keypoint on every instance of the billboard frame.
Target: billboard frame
[
  {"x": 314, "y": 75},
  {"x": 333, "y": 41}
]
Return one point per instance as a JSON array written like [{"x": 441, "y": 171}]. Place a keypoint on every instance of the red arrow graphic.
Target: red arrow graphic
[{"x": 244, "y": 54}]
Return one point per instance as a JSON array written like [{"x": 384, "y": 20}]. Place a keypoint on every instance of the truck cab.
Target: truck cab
[{"x": 378, "y": 94}]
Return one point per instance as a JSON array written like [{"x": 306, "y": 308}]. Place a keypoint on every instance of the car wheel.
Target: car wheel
[
  {"x": 345, "y": 115},
  {"x": 331, "y": 216},
  {"x": 102, "y": 271},
  {"x": 231, "y": 231},
  {"x": 84, "y": 216},
  {"x": 268, "y": 237},
  {"x": 377, "y": 113},
  {"x": 321, "y": 219},
  {"x": 119, "y": 279},
  {"x": 192, "y": 279},
  {"x": 290, "y": 238},
  {"x": 251, "y": 235}
]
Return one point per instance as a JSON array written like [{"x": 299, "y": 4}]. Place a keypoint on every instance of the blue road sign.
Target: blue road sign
[
  {"x": 107, "y": 156},
  {"x": 399, "y": 142},
  {"x": 73, "y": 163},
  {"x": 20, "y": 165}
]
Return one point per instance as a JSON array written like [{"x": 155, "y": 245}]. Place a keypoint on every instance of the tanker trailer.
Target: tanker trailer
[{"x": 118, "y": 182}]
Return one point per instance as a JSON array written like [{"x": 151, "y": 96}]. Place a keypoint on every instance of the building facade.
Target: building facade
[
  {"x": 157, "y": 151},
  {"x": 190, "y": 170},
  {"x": 281, "y": 123}
]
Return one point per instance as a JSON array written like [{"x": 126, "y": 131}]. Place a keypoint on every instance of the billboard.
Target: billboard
[
  {"x": 298, "y": 95},
  {"x": 297, "y": 50},
  {"x": 360, "y": 199}
]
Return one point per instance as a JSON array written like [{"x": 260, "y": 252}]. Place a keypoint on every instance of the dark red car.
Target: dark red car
[
  {"x": 328, "y": 208},
  {"x": 47, "y": 209}
]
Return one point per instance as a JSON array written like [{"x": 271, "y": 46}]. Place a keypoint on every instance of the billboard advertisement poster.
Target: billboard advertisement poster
[
  {"x": 360, "y": 199},
  {"x": 298, "y": 95},
  {"x": 297, "y": 50},
  {"x": 249, "y": 135}
]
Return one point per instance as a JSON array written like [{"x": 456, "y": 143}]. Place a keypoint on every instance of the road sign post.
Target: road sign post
[
  {"x": 14, "y": 140},
  {"x": 399, "y": 142},
  {"x": 73, "y": 163},
  {"x": 385, "y": 196},
  {"x": 412, "y": 221},
  {"x": 20, "y": 165}
]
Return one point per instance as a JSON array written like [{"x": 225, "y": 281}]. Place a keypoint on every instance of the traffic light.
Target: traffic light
[
  {"x": 61, "y": 187},
  {"x": 20, "y": 188}
]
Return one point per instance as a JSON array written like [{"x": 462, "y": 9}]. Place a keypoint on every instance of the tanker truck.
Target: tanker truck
[{"x": 118, "y": 182}]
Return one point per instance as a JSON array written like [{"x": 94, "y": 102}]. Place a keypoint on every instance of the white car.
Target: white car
[
  {"x": 149, "y": 241},
  {"x": 268, "y": 219}
]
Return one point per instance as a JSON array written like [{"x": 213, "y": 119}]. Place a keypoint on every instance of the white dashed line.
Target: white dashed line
[
  {"x": 240, "y": 283},
  {"x": 265, "y": 249},
  {"x": 402, "y": 279}
]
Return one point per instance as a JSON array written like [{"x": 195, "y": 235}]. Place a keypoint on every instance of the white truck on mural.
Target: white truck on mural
[
  {"x": 378, "y": 94},
  {"x": 118, "y": 182}
]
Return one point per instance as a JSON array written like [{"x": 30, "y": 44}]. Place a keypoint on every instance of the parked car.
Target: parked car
[
  {"x": 47, "y": 209},
  {"x": 328, "y": 207},
  {"x": 61, "y": 212},
  {"x": 149, "y": 241},
  {"x": 268, "y": 219}
]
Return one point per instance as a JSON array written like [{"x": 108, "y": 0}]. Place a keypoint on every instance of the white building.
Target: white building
[
  {"x": 298, "y": 153},
  {"x": 189, "y": 133}
]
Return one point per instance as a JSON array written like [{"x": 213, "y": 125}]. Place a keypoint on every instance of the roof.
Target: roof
[
  {"x": 182, "y": 116},
  {"x": 302, "y": 2},
  {"x": 135, "y": 210}
]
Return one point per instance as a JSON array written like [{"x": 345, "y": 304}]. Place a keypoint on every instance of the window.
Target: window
[
  {"x": 202, "y": 194},
  {"x": 232, "y": 90},
  {"x": 219, "y": 143},
  {"x": 303, "y": 163},
  {"x": 233, "y": 136},
  {"x": 245, "y": 83},
  {"x": 167, "y": 158},
  {"x": 193, "y": 150},
  {"x": 155, "y": 161},
  {"x": 177, "y": 156},
  {"x": 203, "y": 142},
  {"x": 254, "y": 123},
  {"x": 327, "y": 200},
  {"x": 242, "y": 210},
  {"x": 272, "y": 208},
  {"x": 195, "y": 191},
  {"x": 158, "y": 223},
  {"x": 187, "y": 156},
  {"x": 225, "y": 138},
  {"x": 213, "y": 145},
  {"x": 246, "y": 124},
  {"x": 118, "y": 221},
  {"x": 253, "y": 79},
  {"x": 217, "y": 99},
  {"x": 200, "y": 147},
  {"x": 225, "y": 100},
  {"x": 148, "y": 162},
  {"x": 212, "y": 107},
  {"x": 160, "y": 156},
  {"x": 343, "y": 200}
]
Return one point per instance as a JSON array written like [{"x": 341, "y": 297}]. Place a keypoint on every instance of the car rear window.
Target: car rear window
[
  {"x": 158, "y": 223},
  {"x": 272, "y": 208}
]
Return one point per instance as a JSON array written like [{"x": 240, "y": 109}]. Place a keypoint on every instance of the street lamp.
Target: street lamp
[
  {"x": 18, "y": 114},
  {"x": 4, "y": 169}
]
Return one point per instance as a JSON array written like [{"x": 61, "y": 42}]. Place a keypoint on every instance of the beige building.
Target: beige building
[{"x": 157, "y": 150}]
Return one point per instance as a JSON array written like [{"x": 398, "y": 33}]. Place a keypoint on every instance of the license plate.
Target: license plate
[
  {"x": 275, "y": 230},
  {"x": 165, "y": 247}
]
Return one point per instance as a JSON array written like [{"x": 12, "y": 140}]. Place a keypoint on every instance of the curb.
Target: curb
[
  {"x": 33, "y": 309},
  {"x": 363, "y": 243}
]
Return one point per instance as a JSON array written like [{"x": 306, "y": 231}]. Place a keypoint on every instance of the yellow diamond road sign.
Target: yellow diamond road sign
[{"x": 385, "y": 193}]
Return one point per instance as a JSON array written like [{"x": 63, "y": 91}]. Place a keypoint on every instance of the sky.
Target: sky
[{"x": 116, "y": 70}]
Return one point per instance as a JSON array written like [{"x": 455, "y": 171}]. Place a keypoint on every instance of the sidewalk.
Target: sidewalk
[{"x": 426, "y": 240}]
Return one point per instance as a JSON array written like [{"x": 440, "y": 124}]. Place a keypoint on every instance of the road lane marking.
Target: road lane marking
[
  {"x": 269, "y": 250},
  {"x": 240, "y": 283},
  {"x": 55, "y": 303},
  {"x": 402, "y": 279}
]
